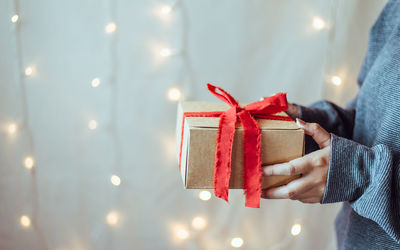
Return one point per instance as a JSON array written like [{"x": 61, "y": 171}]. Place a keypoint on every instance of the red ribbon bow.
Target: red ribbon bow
[{"x": 264, "y": 109}]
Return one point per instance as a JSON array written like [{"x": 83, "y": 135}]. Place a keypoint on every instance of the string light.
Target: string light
[
  {"x": 336, "y": 80},
  {"x": 165, "y": 10},
  {"x": 199, "y": 223},
  {"x": 29, "y": 162},
  {"x": 14, "y": 18},
  {"x": 318, "y": 23},
  {"x": 110, "y": 27},
  {"x": 25, "y": 221},
  {"x": 115, "y": 180},
  {"x": 95, "y": 82},
  {"x": 205, "y": 195},
  {"x": 12, "y": 128},
  {"x": 182, "y": 234},
  {"x": 28, "y": 71},
  {"x": 296, "y": 229},
  {"x": 174, "y": 94},
  {"x": 165, "y": 52},
  {"x": 112, "y": 218},
  {"x": 237, "y": 242},
  {"x": 92, "y": 125}
]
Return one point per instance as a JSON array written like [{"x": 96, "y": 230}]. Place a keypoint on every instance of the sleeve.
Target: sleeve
[
  {"x": 331, "y": 117},
  {"x": 369, "y": 180}
]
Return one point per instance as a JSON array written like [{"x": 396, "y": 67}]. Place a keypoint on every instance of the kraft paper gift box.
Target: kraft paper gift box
[{"x": 281, "y": 141}]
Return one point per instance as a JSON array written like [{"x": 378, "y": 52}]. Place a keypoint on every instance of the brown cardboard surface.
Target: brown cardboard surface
[{"x": 281, "y": 141}]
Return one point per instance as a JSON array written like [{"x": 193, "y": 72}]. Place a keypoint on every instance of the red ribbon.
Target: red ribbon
[{"x": 264, "y": 109}]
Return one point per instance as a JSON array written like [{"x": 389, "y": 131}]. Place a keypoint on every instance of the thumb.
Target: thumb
[{"x": 320, "y": 135}]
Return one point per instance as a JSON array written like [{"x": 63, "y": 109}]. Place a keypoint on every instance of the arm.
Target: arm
[
  {"x": 331, "y": 117},
  {"x": 369, "y": 178}
]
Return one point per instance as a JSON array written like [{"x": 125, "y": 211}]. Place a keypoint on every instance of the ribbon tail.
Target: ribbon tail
[
  {"x": 223, "y": 153},
  {"x": 252, "y": 160}
]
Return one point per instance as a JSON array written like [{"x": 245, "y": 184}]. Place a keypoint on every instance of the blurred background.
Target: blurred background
[{"x": 88, "y": 96}]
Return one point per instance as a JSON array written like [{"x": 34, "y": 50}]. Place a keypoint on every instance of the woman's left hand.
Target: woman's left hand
[{"x": 312, "y": 168}]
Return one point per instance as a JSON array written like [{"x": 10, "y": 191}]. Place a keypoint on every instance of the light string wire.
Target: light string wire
[
  {"x": 113, "y": 124},
  {"x": 112, "y": 80},
  {"x": 111, "y": 128},
  {"x": 25, "y": 127},
  {"x": 187, "y": 69},
  {"x": 329, "y": 46}
]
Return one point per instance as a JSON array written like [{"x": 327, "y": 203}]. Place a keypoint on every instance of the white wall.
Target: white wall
[{"x": 251, "y": 48}]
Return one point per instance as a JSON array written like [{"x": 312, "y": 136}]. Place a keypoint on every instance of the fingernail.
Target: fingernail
[{"x": 300, "y": 123}]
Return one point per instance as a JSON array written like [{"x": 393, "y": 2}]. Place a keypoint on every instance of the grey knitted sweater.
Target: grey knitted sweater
[{"x": 364, "y": 170}]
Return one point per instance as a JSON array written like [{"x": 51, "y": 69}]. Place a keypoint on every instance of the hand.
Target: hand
[{"x": 312, "y": 168}]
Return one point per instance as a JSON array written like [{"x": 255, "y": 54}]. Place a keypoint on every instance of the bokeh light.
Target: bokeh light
[{"x": 237, "y": 242}]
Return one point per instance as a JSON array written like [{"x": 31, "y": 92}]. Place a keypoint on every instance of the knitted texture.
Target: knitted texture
[{"x": 364, "y": 170}]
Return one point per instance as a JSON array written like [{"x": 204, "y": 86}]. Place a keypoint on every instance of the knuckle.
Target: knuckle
[
  {"x": 292, "y": 194},
  {"x": 317, "y": 161},
  {"x": 292, "y": 169}
]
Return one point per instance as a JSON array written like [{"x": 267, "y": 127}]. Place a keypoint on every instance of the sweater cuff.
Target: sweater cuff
[
  {"x": 345, "y": 181},
  {"x": 311, "y": 114}
]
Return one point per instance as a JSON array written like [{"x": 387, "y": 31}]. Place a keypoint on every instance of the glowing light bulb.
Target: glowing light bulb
[
  {"x": 296, "y": 229},
  {"x": 14, "y": 18},
  {"x": 166, "y": 10},
  {"x": 115, "y": 180},
  {"x": 205, "y": 195},
  {"x": 25, "y": 221},
  {"x": 110, "y": 27},
  {"x": 92, "y": 125},
  {"x": 29, "y": 162},
  {"x": 12, "y": 128},
  {"x": 336, "y": 80},
  {"x": 95, "y": 82},
  {"x": 112, "y": 218},
  {"x": 199, "y": 223},
  {"x": 165, "y": 52},
  {"x": 318, "y": 23},
  {"x": 28, "y": 71},
  {"x": 174, "y": 94},
  {"x": 237, "y": 242},
  {"x": 182, "y": 234}
]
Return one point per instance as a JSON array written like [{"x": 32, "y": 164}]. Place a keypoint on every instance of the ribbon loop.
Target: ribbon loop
[{"x": 224, "y": 96}]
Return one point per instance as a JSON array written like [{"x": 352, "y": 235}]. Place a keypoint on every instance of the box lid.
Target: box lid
[{"x": 212, "y": 122}]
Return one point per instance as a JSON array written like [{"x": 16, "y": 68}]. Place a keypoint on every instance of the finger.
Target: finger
[
  {"x": 275, "y": 193},
  {"x": 314, "y": 191},
  {"x": 307, "y": 194},
  {"x": 320, "y": 135},
  {"x": 294, "y": 167},
  {"x": 310, "y": 200},
  {"x": 292, "y": 190}
]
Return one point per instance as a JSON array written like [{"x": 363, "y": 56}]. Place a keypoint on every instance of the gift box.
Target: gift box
[{"x": 198, "y": 128}]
